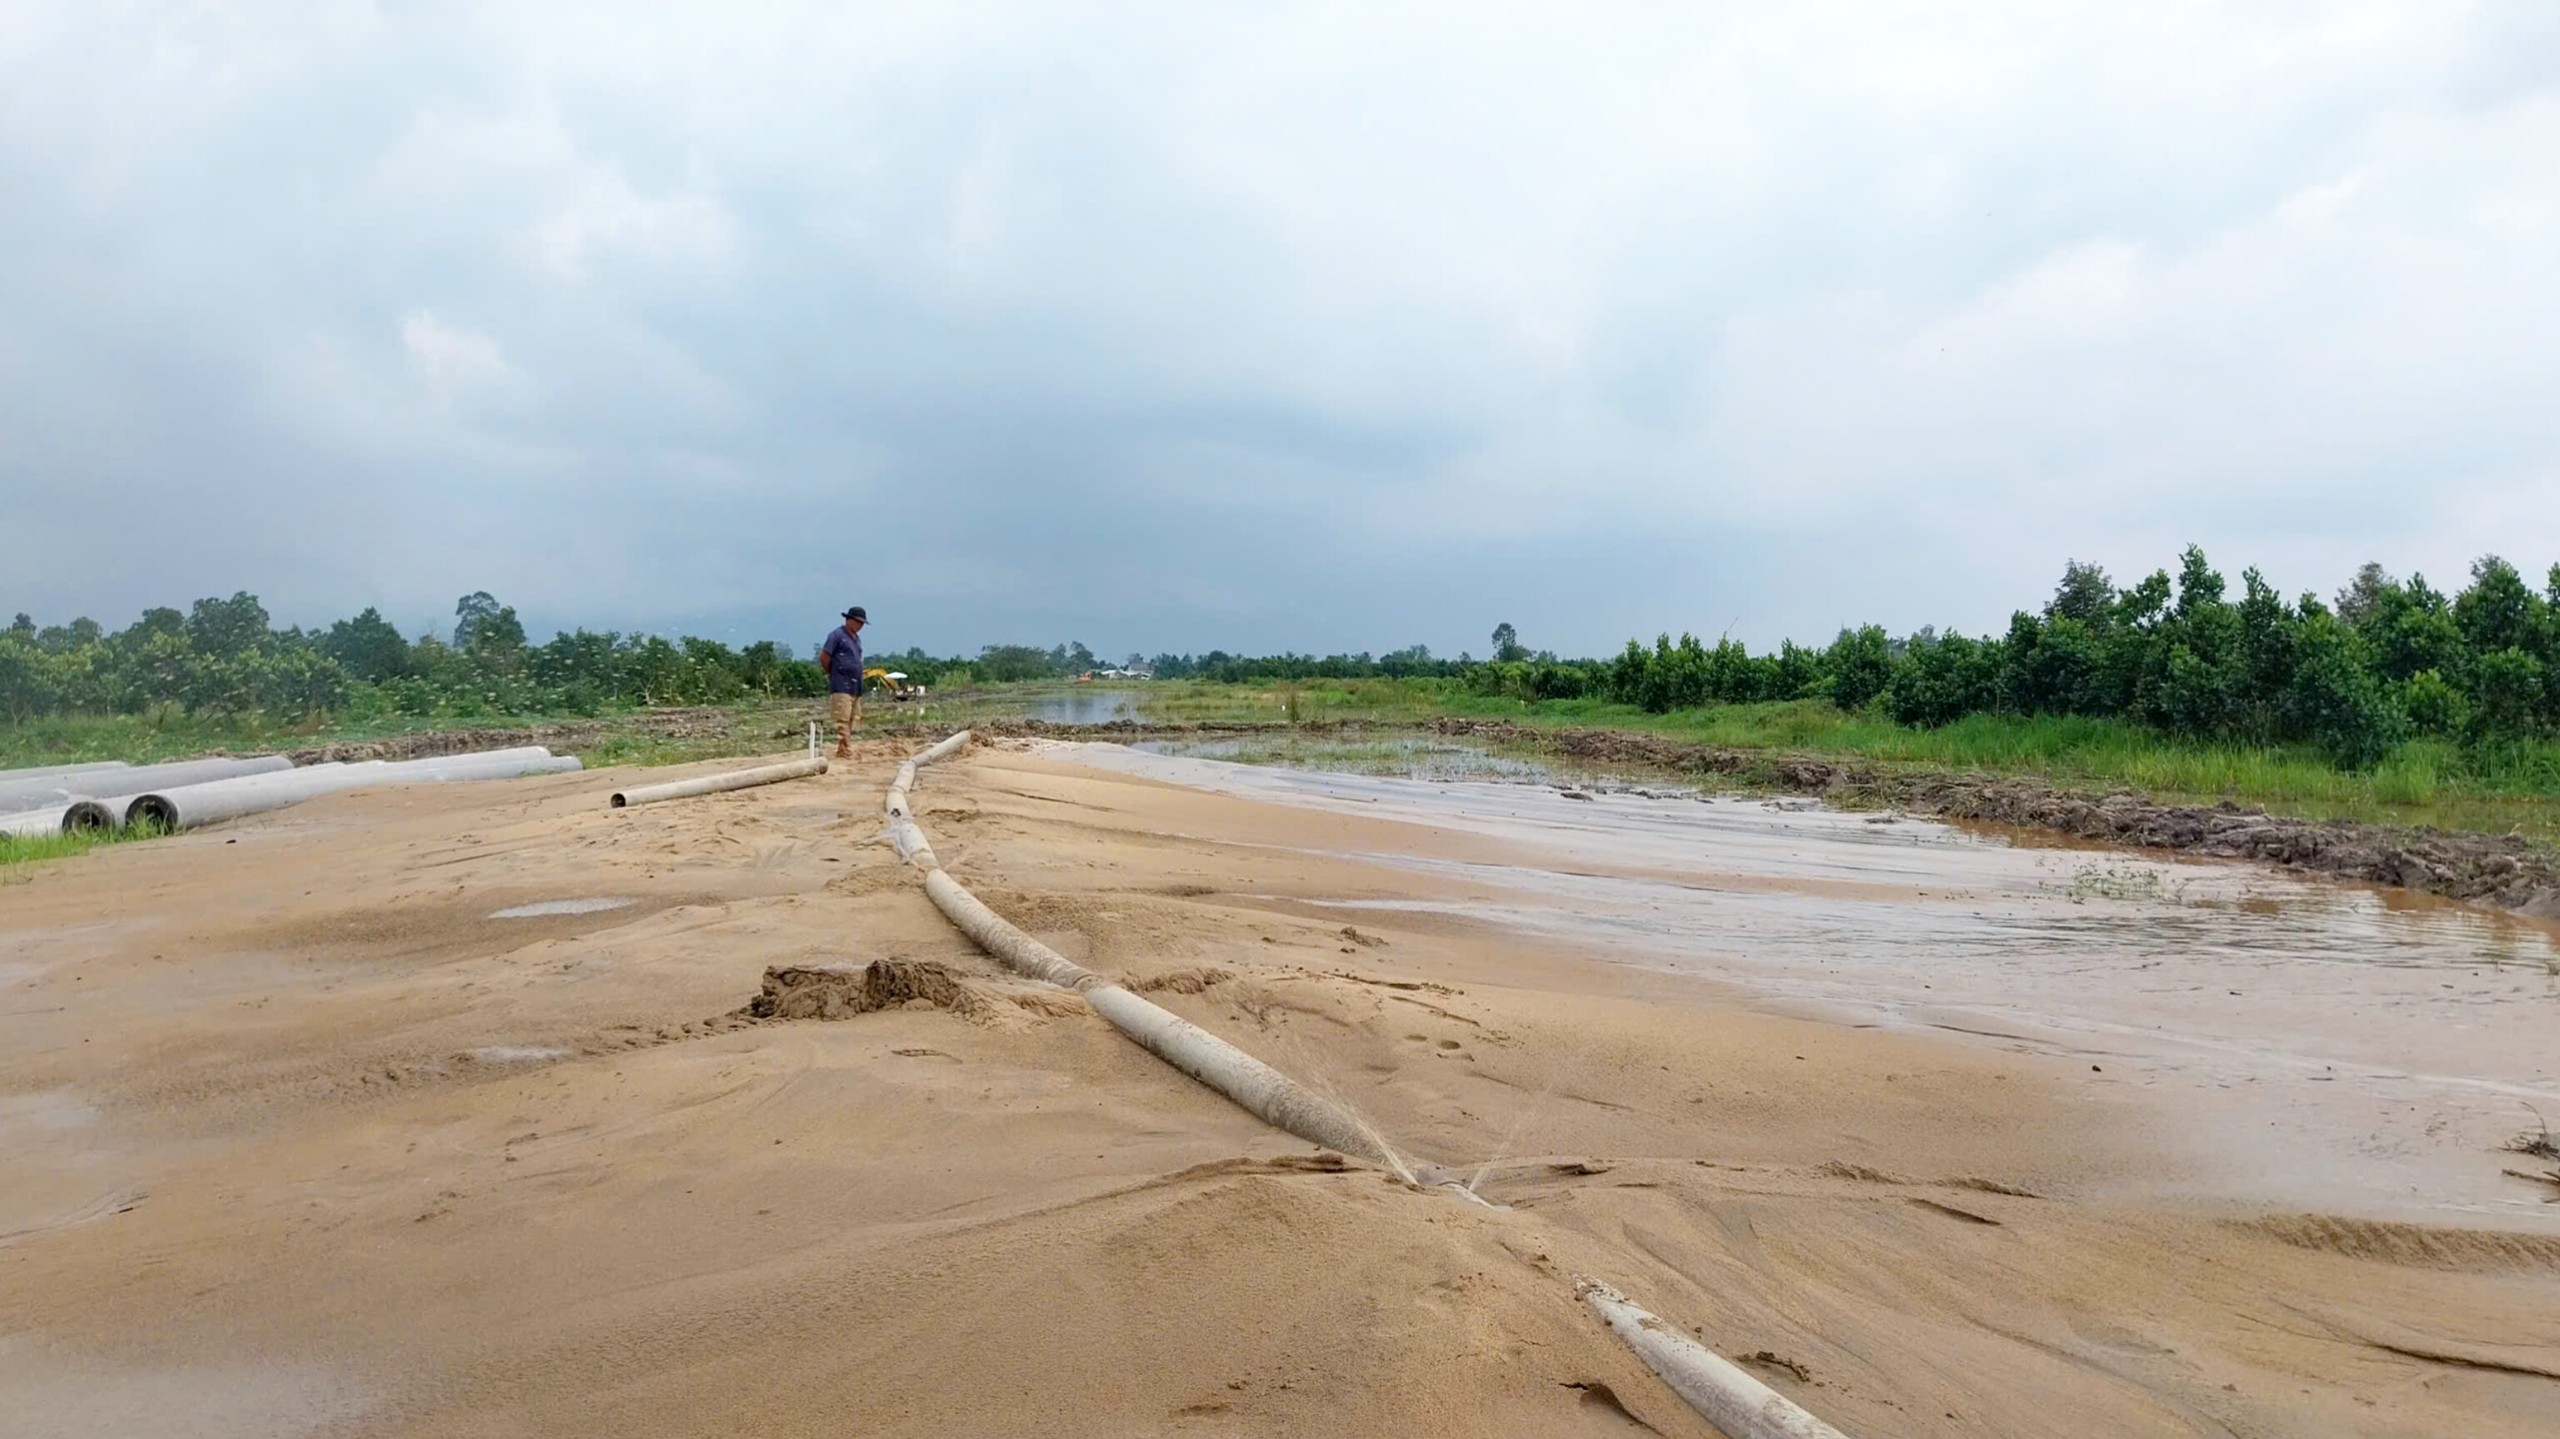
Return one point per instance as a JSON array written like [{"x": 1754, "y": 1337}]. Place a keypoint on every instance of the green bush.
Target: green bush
[{"x": 2434, "y": 707}]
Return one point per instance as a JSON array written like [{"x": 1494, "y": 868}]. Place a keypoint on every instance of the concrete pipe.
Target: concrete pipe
[
  {"x": 26, "y": 824},
  {"x": 188, "y": 771},
  {"x": 52, "y": 771},
  {"x": 126, "y": 781},
  {"x": 36, "y": 788},
  {"x": 124, "y": 784},
  {"x": 91, "y": 814},
  {"x": 1264, "y": 1092},
  {"x": 1737, "y": 1404},
  {"x": 190, "y": 806},
  {"x": 716, "y": 783},
  {"x": 75, "y": 816},
  {"x": 496, "y": 764}
]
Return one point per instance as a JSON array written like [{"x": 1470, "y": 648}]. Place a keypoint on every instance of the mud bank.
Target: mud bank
[{"x": 2500, "y": 870}]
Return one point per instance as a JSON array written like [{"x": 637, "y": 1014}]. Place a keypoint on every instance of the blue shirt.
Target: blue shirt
[{"x": 842, "y": 655}]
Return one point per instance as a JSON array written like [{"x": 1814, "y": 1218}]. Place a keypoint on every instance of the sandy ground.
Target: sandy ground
[{"x": 301, "y": 1138}]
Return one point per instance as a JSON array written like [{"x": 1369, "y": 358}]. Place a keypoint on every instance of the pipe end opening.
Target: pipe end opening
[
  {"x": 87, "y": 816},
  {"x": 619, "y": 802}
]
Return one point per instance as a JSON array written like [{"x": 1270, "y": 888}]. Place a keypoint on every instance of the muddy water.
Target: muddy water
[
  {"x": 1408, "y": 756},
  {"x": 1085, "y": 706},
  {"x": 2309, "y": 1043}
]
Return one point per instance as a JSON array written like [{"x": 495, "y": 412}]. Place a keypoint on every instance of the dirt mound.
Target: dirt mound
[
  {"x": 1112, "y": 921},
  {"x": 1180, "y": 981},
  {"x": 2500, "y": 870},
  {"x": 2415, "y": 1245},
  {"x": 808, "y": 992}
]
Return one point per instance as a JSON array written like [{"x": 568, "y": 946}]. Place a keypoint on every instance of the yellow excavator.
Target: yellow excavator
[{"x": 891, "y": 683}]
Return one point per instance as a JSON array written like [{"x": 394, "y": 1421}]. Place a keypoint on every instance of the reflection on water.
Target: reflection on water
[
  {"x": 1408, "y": 757},
  {"x": 541, "y": 908},
  {"x": 1086, "y": 706},
  {"x": 2327, "y": 1043}
]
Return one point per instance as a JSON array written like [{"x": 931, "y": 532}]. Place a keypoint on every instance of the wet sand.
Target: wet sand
[
  {"x": 2324, "y": 1044},
  {"x": 304, "y": 1138}
]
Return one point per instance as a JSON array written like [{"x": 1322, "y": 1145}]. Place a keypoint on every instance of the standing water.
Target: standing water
[
  {"x": 1086, "y": 706},
  {"x": 2320, "y": 1043}
]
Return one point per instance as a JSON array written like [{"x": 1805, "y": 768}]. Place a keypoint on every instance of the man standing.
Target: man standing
[{"x": 840, "y": 655}]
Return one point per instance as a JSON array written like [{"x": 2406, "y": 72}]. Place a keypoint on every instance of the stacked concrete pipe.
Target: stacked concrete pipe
[
  {"x": 716, "y": 783},
  {"x": 51, "y": 819},
  {"x": 96, "y": 798},
  {"x": 28, "y": 789},
  {"x": 192, "y": 806},
  {"x": 1739, "y": 1405},
  {"x": 104, "y": 801},
  {"x": 39, "y": 771}
]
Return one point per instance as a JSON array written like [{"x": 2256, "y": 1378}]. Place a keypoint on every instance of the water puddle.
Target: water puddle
[
  {"x": 1407, "y": 757},
  {"x": 2322, "y": 1044},
  {"x": 518, "y": 1053},
  {"x": 1081, "y": 707},
  {"x": 46, "y": 1109},
  {"x": 544, "y": 908}
]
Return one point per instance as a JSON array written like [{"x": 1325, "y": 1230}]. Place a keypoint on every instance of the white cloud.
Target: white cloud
[
  {"x": 1831, "y": 311},
  {"x": 450, "y": 360}
]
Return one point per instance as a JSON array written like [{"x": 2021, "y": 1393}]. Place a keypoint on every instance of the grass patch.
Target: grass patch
[
  {"x": 167, "y": 734},
  {"x": 19, "y": 852}
]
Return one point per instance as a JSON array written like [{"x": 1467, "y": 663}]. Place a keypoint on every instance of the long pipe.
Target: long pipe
[
  {"x": 1269, "y": 1095},
  {"x": 491, "y": 764},
  {"x": 1739, "y": 1405},
  {"x": 114, "y": 811},
  {"x": 715, "y": 783},
  {"x": 51, "y": 819},
  {"x": 1730, "y": 1399},
  {"x": 39, "y": 771},
  {"x": 24, "y": 789},
  {"x": 194, "y": 805},
  {"x": 98, "y": 801},
  {"x": 191, "y": 806}
]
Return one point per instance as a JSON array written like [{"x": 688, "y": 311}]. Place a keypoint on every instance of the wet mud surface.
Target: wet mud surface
[
  {"x": 2500, "y": 870},
  {"x": 2318, "y": 1043}
]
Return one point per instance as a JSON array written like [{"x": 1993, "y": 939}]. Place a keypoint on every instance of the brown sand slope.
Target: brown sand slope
[{"x": 302, "y": 1140}]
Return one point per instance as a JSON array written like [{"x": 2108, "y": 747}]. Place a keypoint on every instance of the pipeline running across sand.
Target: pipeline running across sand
[
  {"x": 1736, "y": 1403},
  {"x": 716, "y": 783},
  {"x": 1268, "y": 1094}
]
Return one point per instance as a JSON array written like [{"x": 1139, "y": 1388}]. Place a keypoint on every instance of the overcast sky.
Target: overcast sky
[{"x": 1265, "y": 326}]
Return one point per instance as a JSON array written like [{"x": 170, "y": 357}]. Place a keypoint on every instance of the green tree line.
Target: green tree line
[
  {"x": 2383, "y": 661},
  {"x": 2387, "y": 660},
  {"x": 226, "y": 657}
]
